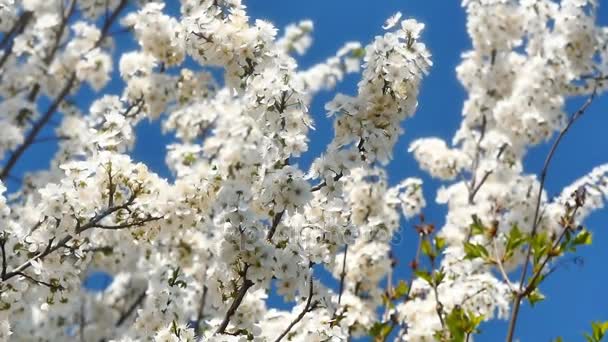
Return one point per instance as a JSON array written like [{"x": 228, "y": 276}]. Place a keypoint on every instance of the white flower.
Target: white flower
[{"x": 392, "y": 21}]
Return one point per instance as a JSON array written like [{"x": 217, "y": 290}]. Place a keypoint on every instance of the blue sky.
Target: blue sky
[{"x": 575, "y": 295}]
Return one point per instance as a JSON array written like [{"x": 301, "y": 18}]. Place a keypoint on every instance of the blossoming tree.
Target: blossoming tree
[{"x": 196, "y": 257}]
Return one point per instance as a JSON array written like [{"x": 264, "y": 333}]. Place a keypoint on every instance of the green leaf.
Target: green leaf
[
  {"x": 599, "y": 330},
  {"x": 438, "y": 276},
  {"x": 427, "y": 249},
  {"x": 380, "y": 330},
  {"x": 535, "y": 297},
  {"x": 474, "y": 251},
  {"x": 583, "y": 238},
  {"x": 477, "y": 226},
  {"x": 515, "y": 239},
  {"x": 541, "y": 245},
  {"x": 439, "y": 243},
  {"x": 424, "y": 275},
  {"x": 358, "y": 53},
  {"x": 460, "y": 324},
  {"x": 401, "y": 289}
]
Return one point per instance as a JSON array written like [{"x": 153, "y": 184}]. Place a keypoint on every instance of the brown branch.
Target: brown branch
[
  {"x": 324, "y": 183},
  {"x": 109, "y": 21},
  {"x": 543, "y": 175},
  {"x": 50, "y": 248},
  {"x": 93, "y": 223},
  {"x": 439, "y": 308},
  {"x": 111, "y": 186},
  {"x": 236, "y": 303},
  {"x": 275, "y": 223},
  {"x": 530, "y": 287},
  {"x": 17, "y": 26},
  {"x": 31, "y": 137},
  {"x": 83, "y": 322},
  {"x": 307, "y": 308},
  {"x": 47, "y": 139},
  {"x": 128, "y": 225},
  {"x": 342, "y": 275},
  {"x": 131, "y": 309},
  {"x": 3, "y": 249},
  {"x": 97, "y": 218},
  {"x": 56, "y": 43},
  {"x": 16, "y": 30},
  {"x": 40, "y": 282},
  {"x": 201, "y": 310},
  {"x": 37, "y": 127}
]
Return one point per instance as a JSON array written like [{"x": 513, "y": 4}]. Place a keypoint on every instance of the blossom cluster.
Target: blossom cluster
[{"x": 199, "y": 256}]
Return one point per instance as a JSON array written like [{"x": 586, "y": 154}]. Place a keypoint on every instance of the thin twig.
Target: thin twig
[
  {"x": 439, "y": 307},
  {"x": 82, "y": 322},
  {"x": 47, "y": 139},
  {"x": 48, "y": 250},
  {"x": 342, "y": 274},
  {"x": 236, "y": 303},
  {"x": 131, "y": 309},
  {"x": 307, "y": 308},
  {"x": 130, "y": 224},
  {"x": 93, "y": 223},
  {"x": 2, "y": 247},
  {"x": 324, "y": 183},
  {"x": 502, "y": 269},
  {"x": 543, "y": 175},
  {"x": 40, "y": 282},
  {"x": 201, "y": 310},
  {"x": 31, "y": 136},
  {"x": 16, "y": 30},
  {"x": 46, "y": 117},
  {"x": 275, "y": 223}
]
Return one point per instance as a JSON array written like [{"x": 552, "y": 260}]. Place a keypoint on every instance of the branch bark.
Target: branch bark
[
  {"x": 307, "y": 309},
  {"x": 236, "y": 303},
  {"x": 201, "y": 310},
  {"x": 131, "y": 309}
]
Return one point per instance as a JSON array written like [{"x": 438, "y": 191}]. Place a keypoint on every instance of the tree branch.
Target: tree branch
[
  {"x": 275, "y": 223},
  {"x": 543, "y": 175},
  {"x": 93, "y": 223},
  {"x": 324, "y": 184},
  {"x": 131, "y": 309},
  {"x": 201, "y": 310},
  {"x": 236, "y": 303},
  {"x": 31, "y": 137},
  {"x": 37, "y": 127},
  {"x": 307, "y": 309},
  {"x": 3, "y": 249},
  {"x": 17, "y": 29},
  {"x": 342, "y": 274}
]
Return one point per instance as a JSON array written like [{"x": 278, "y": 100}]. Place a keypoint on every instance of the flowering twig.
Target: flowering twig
[
  {"x": 276, "y": 219},
  {"x": 31, "y": 137},
  {"x": 543, "y": 175},
  {"x": 201, "y": 308},
  {"x": 342, "y": 274},
  {"x": 307, "y": 308},
  {"x": 236, "y": 303},
  {"x": 46, "y": 117},
  {"x": 131, "y": 309},
  {"x": 93, "y": 223},
  {"x": 17, "y": 29}
]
